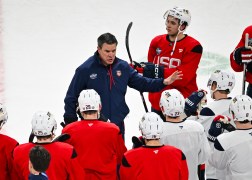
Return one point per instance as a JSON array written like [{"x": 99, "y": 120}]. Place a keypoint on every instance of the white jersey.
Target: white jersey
[
  {"x": 233, "y": 152},
  {"x": 207, "y": 114},
  {"x": 188, "y": 136}
]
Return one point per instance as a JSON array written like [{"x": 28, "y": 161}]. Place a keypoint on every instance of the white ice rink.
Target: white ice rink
[{"x": 43, "y": 42}]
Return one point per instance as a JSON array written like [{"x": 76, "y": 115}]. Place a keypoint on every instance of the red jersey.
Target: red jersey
[
  {"x": 7, "y": 146},
  {"x": 154, "y": 162},
  {"x": 99, "y": 145},
  {"x": 236, "y": 67},
  {"x": 63, "y": 165},
  {"x": 185, "y": 58}
]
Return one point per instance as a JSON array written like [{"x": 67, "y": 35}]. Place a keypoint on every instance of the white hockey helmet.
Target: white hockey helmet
[
  {"x": 182, "y": 14},
  {"x": 151, "y": 126},
  {"x": 241, "y": 108},
  {"x": 172, "y": 103},
  {"x": 43, "y": 123},
  {"x": 89, "y": 100},
  {"x": 225, "y": 80},
  {"x": 3, "y": 115}
]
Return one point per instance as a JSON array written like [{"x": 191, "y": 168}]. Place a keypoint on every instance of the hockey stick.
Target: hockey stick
[{"x": 128, "y": 51}]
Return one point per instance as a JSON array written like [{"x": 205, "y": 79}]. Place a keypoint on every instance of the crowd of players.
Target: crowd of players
[{"x": 182, "y": 138}]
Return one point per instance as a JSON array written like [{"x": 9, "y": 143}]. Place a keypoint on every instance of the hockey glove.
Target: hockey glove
[
  {"x": 136, "y": 65},
  {"x": 153, "y": 71},
  {"x": 137, "y": 142},
  {"x": 191, "y": 103},
  {"x": 238, "y": 54},
  {"x": 217, "y": 127}
]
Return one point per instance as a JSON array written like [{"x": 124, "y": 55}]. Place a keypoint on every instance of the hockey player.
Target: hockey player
[
  {"x": 63, "y": 164},
  {"x": 173, "y": 51},
  {"x": 109, "y": 76},
  {"x": 236, "y": 58},
  {"x": 187, "y": 135},
  {"x": 7, "y": 146},
  {"x": 99, "y": 144},
  {"x": 39, "y": 160},
  {"x": 232, "y": 151},
  {"x": 220, "y": 85},
  {"x": 154, "y": 160}
]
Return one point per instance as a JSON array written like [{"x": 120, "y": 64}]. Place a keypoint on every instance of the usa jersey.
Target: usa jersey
[
  {"x": 63, "y": 165},
  {"x": 207, "y": 114},
  {"x": 185, "y": 58},
  {"x": 233, "y": 152},
  {"x": 154, "y": 162},
  {"x": 234, "y": 65},
  {"x": 99, "y": 146},
  {"x": 7, "y": 146},
  {"x": 189, "y": 136}
]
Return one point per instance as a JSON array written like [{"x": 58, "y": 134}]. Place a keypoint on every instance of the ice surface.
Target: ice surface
[{"x": 44, "y": 41}]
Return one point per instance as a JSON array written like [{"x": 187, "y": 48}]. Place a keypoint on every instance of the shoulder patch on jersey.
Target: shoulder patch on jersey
[
  {"x": 125, "y": 162},
  {"x": 218, "y": 146},
  {"x": 206, "y": 112},
  {"x": 183, "y": 156},
  {"x": 197, "y": 49}
]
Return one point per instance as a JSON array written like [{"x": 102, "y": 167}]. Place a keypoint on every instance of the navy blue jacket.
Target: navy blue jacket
[
  {"x": 92, "y": 74},
  {"x": 41, "y": 176}
]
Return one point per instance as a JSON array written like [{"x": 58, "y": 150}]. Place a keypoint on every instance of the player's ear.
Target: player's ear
[{"x": 182, "y": 27}]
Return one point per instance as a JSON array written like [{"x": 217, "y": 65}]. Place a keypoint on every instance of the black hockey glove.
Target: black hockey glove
[
  {"x": 238, "y": 54},
  {"x": 137, "y": 142},
  {"x": 191, "y": 103},
  {"x": 217, "y": 127},
  {"x": 153, "y": 71},
  {"x": 136, "y": 65}
]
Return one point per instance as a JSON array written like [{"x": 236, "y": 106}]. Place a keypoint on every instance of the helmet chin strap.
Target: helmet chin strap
[
  {"x": 175, "y": 42},
  {"x": 212, "y": 93}
]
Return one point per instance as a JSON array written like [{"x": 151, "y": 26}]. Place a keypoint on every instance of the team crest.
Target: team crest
[
  {"x": 90, "y": 124},
  {"x": 118, "y": 73},
  {"x": 180, "y": 50}
]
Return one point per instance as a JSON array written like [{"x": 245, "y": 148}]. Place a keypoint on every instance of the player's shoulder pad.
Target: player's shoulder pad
[
  {"x": 183, "y": 156},
  {"x": 197, "y": 49},
  {"x": 207, "y": 112}
]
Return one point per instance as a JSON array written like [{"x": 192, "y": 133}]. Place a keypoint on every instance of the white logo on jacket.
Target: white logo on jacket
[{"x": 93, "y": 76}]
